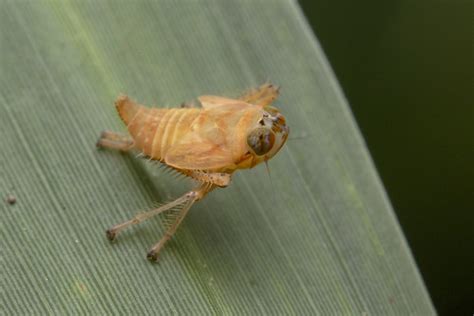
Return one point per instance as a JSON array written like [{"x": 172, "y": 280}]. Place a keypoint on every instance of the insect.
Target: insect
[{"x": 207, "y": 144}]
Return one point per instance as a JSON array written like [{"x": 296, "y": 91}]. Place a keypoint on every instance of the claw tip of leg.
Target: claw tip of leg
[
  {"x": 152, "y": 256},
  {"x": 111, "y": 234}
]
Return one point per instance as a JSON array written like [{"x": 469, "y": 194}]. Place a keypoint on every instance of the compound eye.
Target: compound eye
[{"x": 261, "y": 140}]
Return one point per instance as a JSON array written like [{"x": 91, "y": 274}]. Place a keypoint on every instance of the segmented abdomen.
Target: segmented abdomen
[{"x": 155, "y": 130}]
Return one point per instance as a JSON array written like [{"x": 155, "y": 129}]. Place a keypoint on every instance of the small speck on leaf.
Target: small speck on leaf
[{"x": 10, "y": 199}]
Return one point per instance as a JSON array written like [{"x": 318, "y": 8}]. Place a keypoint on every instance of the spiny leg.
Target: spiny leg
[
  {"x": 181, "y": 204},
  {"x": 152, "y": 254},
  {"x": 193, "y": 196},
  {"x": 114, "y": 230},
  {"x": 113, "y": 140},
  {"x": 263, "y": 95}
]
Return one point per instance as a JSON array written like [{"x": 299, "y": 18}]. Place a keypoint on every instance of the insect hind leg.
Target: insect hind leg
[
  {"x": 181, "y": 206},
  {"x": 113, "y": 231},
  {"x": 152, "y": 254},
  {"x": 113, "y": 140}
]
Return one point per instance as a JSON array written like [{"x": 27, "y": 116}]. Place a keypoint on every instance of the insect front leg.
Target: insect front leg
[
  {"x": 113, "y": 140},
  {"x": 263, "y": 95}
]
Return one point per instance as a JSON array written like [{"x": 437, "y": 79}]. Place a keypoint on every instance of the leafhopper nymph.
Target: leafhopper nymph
[{"x": 207, "y": 144}]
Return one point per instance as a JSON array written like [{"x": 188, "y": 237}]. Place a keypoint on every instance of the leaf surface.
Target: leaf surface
[{"x": 319, "y": 238}]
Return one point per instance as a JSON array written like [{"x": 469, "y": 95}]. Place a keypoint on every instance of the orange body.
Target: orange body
[
  {"x": 212, "y": 138},
  {"x": 207, "y": 144},
  {"x": 155, "y": 130}
]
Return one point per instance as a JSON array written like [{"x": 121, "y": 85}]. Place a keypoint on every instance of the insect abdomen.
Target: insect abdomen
[{"x": 155, "y": 130}]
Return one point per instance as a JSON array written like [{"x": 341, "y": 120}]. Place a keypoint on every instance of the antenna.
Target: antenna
[{"x": 271, "y": 182}]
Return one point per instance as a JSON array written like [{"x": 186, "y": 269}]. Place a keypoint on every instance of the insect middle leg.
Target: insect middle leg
[
  {"x": 219, "y": 179},
  {"x": 113, "y": 140}
]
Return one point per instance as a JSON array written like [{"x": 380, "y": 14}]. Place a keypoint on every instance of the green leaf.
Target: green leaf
[{"x": 319, "y": 238}]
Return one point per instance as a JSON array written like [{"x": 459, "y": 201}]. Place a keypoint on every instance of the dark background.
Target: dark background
[{"x": 407, "y": 70}]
